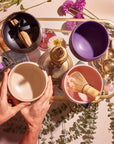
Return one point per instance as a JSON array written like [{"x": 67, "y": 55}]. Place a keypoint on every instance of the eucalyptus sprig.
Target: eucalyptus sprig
[
  {"x": 111, "y": 116},
  {"x": 84, "y": 126}
]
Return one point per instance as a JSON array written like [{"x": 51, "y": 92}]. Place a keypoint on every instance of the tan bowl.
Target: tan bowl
[{"x": 27, "y": 81}]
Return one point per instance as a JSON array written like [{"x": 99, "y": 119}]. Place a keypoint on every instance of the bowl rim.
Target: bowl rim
[
  {"x": 73, "y": 33},
  {"x": 35, "y": 43},
  {"x": 65, "y": 79},
  {"x": 11, "y": 72}
]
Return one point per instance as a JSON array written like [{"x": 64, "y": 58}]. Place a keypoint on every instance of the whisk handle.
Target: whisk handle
[{"x": 91, "y": 92}]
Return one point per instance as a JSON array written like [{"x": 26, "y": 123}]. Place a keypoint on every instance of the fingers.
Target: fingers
[
  {"x": 15, "y": 101},
  {"x": 19, "y": 107},
  {"x": 48, "y": 92},
  {"x": 3, "y": 93}
]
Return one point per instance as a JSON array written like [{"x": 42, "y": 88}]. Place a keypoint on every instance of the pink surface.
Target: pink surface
[{"x": 93, "y": 78}]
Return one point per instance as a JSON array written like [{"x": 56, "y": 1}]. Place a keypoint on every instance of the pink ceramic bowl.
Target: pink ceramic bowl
[{"x": 91, "y": 75}]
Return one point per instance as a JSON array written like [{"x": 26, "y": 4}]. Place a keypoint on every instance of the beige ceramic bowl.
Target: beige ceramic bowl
[{"x": 27, "y": 81}]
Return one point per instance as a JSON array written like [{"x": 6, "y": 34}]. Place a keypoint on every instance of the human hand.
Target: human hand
[
  {"x": 35, "y": 113},
  {"x": 6, "y": 111}
]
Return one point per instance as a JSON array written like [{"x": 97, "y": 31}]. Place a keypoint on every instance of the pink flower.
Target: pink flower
[
  {"x": 44, "y": 35},
  {"x": 79, "y": 5},
  {"x": 66, "y": 5},
  {"x": 79, "y": 16},
  {"x": 70, "y": 25}
]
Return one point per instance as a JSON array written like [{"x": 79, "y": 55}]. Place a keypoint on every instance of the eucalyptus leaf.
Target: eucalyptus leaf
[{"x": 22, "y": 7}]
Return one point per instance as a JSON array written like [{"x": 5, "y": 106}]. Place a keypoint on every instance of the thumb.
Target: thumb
[{"x": 20, "y": 106}]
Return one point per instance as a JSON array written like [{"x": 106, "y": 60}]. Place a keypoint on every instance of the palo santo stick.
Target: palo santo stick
[{"x": 23, "y": 36}]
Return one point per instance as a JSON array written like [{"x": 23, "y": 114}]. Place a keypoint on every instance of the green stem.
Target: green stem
[
  {"x": 91, "y": 13},
  {"x": 2, "y": 1},
  {"x": 34, "y": 6},
  {"x": 105, "y": 24},
  {"x": 81, "y": 12},
  {"x": 9, "y": 4}
]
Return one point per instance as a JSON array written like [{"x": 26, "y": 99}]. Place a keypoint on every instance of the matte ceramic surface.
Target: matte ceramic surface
[
  {"x": 90, "y": 40},
  {"x": 27, "y": 23},
  {"x": 91, "y": 75},
  {"x": 27, "y": 82}
]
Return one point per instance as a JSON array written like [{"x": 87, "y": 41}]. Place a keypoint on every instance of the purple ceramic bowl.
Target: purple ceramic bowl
[{"x": 89, "y": 40}]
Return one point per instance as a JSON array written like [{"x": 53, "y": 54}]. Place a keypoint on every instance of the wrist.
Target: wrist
[
  {"x": 34, "y": 129},
  {"x": 31, "y": 135}
]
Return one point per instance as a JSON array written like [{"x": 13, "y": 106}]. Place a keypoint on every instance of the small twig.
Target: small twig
[
  {"x": 91, "y": 13},
  {"x": 80, "y": 12},
  {"x": 25, "y": 9},
  {"x": 9, "y": 4}
]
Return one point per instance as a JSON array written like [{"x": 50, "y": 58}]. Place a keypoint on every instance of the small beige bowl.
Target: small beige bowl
[{"x": 27, "y": 81}]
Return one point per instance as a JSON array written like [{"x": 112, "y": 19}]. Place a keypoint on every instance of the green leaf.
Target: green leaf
[
  {"x": 112, "y": 118},
  {"x": 22, "y": 7}
]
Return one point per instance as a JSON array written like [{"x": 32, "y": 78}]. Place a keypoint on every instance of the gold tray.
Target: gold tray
[{"x": 105, "y": 21}]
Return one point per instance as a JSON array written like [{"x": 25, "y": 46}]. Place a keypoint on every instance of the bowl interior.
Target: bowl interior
[
  {"x": 27, "y": 23},
  {"x": 92, "y": 77},
  {"x": 26, "y": 81},
  {"x": 90, "y": 40}
]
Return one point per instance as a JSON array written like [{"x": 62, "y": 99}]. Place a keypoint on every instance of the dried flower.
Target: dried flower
[
  {"x": 77, "y": 8},
  {"x": 66, "y": 5},
  {"x": 79, "y": 5},
  {"x": 79, "y": 15},
  {"x": 56, "y": 41},
  {"x": 70, "y": 25}
]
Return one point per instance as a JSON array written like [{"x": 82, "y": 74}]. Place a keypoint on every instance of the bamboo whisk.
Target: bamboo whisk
[{"x": 77, "y": 83}]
